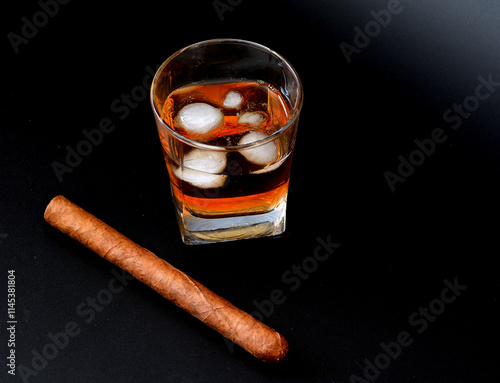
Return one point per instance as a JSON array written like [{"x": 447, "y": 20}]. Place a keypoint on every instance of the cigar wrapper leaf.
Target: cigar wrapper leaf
[{"x": 216, "y": 312}]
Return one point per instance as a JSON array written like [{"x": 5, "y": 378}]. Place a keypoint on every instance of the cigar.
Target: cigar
[{"x": 216, "y": 312}]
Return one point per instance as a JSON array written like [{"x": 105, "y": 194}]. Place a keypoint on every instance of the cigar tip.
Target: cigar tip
[
  {"x": 283, "y": 348},
  {"x": 278, "y": 351},
  {"x": 52, "y": 202}
]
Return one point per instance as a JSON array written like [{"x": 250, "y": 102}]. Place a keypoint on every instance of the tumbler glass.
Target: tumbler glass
[{"x": 227, "y": 112}]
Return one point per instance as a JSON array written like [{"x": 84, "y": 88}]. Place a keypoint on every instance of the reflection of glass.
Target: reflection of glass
[{"x": 227, "y": 114}]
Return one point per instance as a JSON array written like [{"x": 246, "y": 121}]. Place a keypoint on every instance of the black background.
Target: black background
[{"x": 397, "y": 248}]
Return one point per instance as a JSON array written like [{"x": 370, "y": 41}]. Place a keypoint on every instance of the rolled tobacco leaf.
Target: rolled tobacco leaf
[{"x": 216, "y": 312}]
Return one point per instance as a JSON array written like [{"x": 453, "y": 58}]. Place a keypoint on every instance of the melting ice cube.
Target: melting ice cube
[
  {"x": 253, "y": 119},
  {"x": 199, "y": 118},
  {"x": 233, "y": 100},
  {"x": 209, "y": 161},
  {"x": 270, "y": 168},
  {"x": 260, "y": 155},
  {"x": 200, "y": 179},
  {"x": 200, "y": 168}
]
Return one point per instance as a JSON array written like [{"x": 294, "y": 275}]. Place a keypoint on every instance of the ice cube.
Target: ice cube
[
  {"x": 269, "y": 168},
  {"x": 233, "y": 100},
  {"x": 201, "y": 167},
  {"x": 253, "y": 119},
  {"x": 199, "y": 118},
  {"x": 209, "y": 161},
  {"x": 200, "y": 179},
  {"x": 260, "y": 155}
]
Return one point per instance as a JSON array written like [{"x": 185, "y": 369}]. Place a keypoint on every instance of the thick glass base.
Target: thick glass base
[{"x": 197, "y": 230}]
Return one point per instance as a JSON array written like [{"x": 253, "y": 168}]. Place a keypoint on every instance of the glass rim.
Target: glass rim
[{"x": 202, "y": 145}]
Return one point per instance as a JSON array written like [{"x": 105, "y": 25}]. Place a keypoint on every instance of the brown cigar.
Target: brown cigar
[{"x": 238, "y": 326}]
